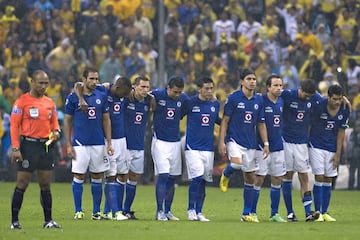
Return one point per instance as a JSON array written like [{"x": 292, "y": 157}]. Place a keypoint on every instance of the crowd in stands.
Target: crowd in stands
[{"x": 297, "y": 39}]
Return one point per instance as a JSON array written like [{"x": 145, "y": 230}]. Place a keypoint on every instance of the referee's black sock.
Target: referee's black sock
[
  {"x": 46, "y": 203},
  {"x": 16, "y": 203}
]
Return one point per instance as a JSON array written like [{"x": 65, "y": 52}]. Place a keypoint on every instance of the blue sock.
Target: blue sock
[
  {"x": 120, "y": 188},
  {"x": 286, "y": 189},
  {"x": 307, "y": 201},
  {"x": 193, "y": 192},
  {"x": 170, "y": 190},
  {"x": 201, "y": 196},
  {"x": 228, "y": 171},
  {"x": 256, "y": 199},
  {"x": 107, "y": 198},
  {"x": 130, "y": 195},
  {"x": 160, "y": 190},
  {"x": 275, "y": 199},
  {"x": 326, "y": 196},
  {"x": 77, "y": 187},
  {"x": 113, "y": 199},
  {"x": 248, "y": 198},
  {"x": 96, "y": 191},
  {"x": 318, "y": 195}
]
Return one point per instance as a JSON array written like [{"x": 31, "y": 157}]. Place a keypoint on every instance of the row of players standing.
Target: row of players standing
[{"x": 237, "y": 138}]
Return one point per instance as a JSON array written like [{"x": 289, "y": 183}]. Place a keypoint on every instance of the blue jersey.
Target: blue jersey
[
  {"x": 116, "y": 109},
  {"x": 244, "y": 114},
  {"x": 88, "y": 126},
  {"x": 136, "y": 116},
  {"x": 296, "y": 116},
  {"x": 201, "y": 119},
  {"x": 324, "y": 127},
  {"x": 273, "y": 121},
  {"x": 167, "y": 115}
]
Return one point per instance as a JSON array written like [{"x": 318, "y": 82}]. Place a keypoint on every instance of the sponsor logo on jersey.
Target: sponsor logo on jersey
[{"x": 196, "y": 109}]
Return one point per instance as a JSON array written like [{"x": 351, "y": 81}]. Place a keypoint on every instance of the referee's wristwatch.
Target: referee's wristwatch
[{"x": 15, "y": 150}]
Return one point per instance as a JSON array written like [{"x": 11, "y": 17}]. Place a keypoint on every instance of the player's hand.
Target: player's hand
[
  {"x": 335, "y": 160},
  {"x": 110, "y": 150},
  {"x": 222, "y": 148},
  {"x": 266, "y": 152},
  {"x": 131, "y": 95},
  {"x": 214, "y": 98},
  {"x": 16, "y": 157},
  {"x": 346, "y": 102},
  {"x": 71, "y": 152},
  {"x": 83, "y": 105}
]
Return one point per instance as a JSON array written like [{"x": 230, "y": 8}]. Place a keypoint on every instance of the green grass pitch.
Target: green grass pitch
[{"x": 223, "y": 209}]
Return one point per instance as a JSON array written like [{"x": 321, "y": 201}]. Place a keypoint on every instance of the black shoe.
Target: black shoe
[
  {"x": 130, "y": 215},
  {"x": 51, "y": 224},
  {"x": 291, "y": 217},
  {"x": 312, "y": 216},
  {"x": 15, "y": 225}
]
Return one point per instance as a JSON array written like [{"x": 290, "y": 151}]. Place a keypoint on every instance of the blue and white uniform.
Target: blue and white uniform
[
  {"x": 166, "y": 146},
  {"x": 274, "y": 165},
  {"x": 244, "y": 115},
  {"x": 323, "y": 138},
  {"x": 199, "y": 145},
  {"x": 296, "y": 121},
  {"x": 136, "y": 116},
  {"x": 89, "y": 139}
]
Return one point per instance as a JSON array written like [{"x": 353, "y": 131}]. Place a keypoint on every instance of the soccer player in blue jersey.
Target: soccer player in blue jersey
[
  {"x": 136, "y": 116},
  {"x": 243, "y": 112},
  {"x": 274, "y": 165},
  {"x": 87, "y": 146},
  {"x": 170, "y": 107},
  {"x": 202, "y": 114},
  {"x": 327, "y": 133},
  {"x": 114, "y": 187},
  {"x": 298, "y": 105}
]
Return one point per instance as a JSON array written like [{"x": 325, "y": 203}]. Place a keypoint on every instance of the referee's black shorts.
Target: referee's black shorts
[{"x": 35, "y": 155}]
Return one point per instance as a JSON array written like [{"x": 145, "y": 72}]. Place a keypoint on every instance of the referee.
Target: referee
[{"x": 33, "y": 127}]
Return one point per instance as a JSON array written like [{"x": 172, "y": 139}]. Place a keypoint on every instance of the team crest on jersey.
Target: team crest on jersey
[
  {"x": 268, "y": 109},
  {"x": 170, "y": 113},
  {"x": 281, "y": 109},
  {"x": 116, "y": 107},
  {"x": 248, "y": 117},
  {"x": 241, "y": 105},
  {"x": 308, "y": 105},
  {"x": 212, "y": 109},
  {"x": 205, "y": 119},
  {"x": 340, "y": 117},
  {"x": 138, "y": 118},
  {"x": 196, "y": 109},
  {"x": 256, "y": 106},
  {"x": 178, "y": 104},
  {"x": 162, "y": 102},
  {"x": 16, "y": 110},
  {"x": 98, "y": 101},
  {"x": 91, "y": 112}
]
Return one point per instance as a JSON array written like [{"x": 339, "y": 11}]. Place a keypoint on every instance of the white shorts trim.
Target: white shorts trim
[
  {"x": 249, "y": 162},
  {"x": 199, "y": 163},
  {"x": 93, "y": 158},
  {"x": 321, "y": 163},
  {"x": 166, "y": 157},
  {"x": 297, "y": 157}
]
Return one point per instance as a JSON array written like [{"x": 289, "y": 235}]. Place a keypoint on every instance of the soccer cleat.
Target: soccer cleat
[
  {"x": 130, "y": 215},
  {"x": 79, "y": 216},
  {"x": 171, "y": 217},
  {"x": 201, "y": 217},
  {"x": 160, "y": 216},
  {"x": 255, "y": 217},
  {"x": 328, "y": 218},
  {"x": 192, "y": 215},
  {"x": 51, "y": 224},
  {"x": 120, "y": 217},
  {"x": 247, "y": 218},
  {"x": 108, "y": 216},
  {"x": 313, "y": 216},
  {"x": 224, "y": 183},
  {"x": 276, "y": 218},
  {"x": 291, "y": 217},
  {"x": 15, "y": 225},
  {"x": 320, "y": 219},
  {"x": 97, "y": 216}
]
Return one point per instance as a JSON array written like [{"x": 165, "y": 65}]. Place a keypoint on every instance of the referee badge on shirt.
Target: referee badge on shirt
[{"x": 34, "y": 112}]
